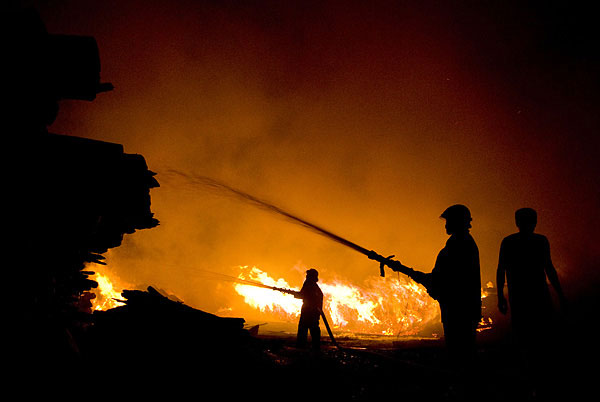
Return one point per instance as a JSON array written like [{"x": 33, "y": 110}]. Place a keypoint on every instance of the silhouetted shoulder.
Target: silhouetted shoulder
[
  {"x": 511, "y": 238},
  {"x": 517, "y": 237},
  {"x": 465, "y": 241}
]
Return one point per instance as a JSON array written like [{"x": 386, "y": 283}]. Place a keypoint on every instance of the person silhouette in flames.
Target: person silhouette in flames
[{"x": 312, "y": 306}]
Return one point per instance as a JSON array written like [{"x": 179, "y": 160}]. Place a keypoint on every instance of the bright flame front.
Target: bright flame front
[
  {"x": 283, "y": 305},
  {"x": 106, "y": 296},
  {"x": 382, "y": 306}
]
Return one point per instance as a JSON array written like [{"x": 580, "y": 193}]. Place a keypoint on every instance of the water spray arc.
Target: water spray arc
[{"x": 225, "y": 189}]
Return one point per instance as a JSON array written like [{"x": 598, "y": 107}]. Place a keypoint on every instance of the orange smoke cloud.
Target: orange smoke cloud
[{"x": 366, "y": 119}]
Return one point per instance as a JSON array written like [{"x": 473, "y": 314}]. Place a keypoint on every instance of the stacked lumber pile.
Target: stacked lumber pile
[
  {"x": 152, "y": 342},
  {"x": 150, "y": 321},
  {"x": 70, "y": 199}
]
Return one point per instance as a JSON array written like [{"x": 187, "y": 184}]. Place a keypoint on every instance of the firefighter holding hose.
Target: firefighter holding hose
[
  {"x": 312, "y": 307},
  {"x": 455, "y": 282}
]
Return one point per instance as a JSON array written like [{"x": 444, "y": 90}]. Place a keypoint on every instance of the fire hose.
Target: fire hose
[
  {"x": 223, "y": 188},
  {"x": 294, "y": 293},
  {"x": 283, "y": 290}
]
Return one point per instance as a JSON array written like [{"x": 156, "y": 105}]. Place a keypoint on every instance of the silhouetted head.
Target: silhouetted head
[
  {"x": 458, "y": 218},
  {"x": 312, "y": 275},
  {"x": 526, "y": 220}
]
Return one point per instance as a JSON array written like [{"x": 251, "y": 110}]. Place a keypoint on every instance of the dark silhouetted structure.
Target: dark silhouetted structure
[
  {"x": 526, "y": 264},
  {"x": 312, "y": 305},
  {"x": 455, "y": 282},
  {"x": 71, "y": 199}
]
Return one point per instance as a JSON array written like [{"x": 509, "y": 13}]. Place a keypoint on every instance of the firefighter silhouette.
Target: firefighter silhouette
[
  {"x": 312, "y": 305},
  {"x": 455, "y": 282}
]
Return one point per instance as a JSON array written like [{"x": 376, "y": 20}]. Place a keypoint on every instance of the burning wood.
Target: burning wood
[
  {"x": 149, "y": 313},
  {"x": 106, "y": 297},
  {"x": 486, "y": 322},
  {"x": 382, "y": 307}
]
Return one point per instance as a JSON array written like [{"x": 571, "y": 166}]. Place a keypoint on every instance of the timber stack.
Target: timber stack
[
  {"x": 151, "y": 329},
  {"x": 70, "y": 199}
]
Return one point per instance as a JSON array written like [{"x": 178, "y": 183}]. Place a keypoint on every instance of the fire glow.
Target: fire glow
[
  {"x": 390, "y": 306},
  {"x": 383, "y": 307},
  {"x": 486, "y": 322},
  {"x": 106, "y": 296}
]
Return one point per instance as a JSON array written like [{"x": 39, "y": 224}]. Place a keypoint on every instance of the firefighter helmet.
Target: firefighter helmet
[{"x": 457, "y": 213}]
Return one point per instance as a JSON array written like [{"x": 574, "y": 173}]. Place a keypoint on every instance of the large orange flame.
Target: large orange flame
[
  {"x": 107, "y": 296},
  {"x": 382, "y": 306}
]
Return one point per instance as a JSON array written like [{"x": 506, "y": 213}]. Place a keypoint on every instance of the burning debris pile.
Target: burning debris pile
[
  {"x": 152, "y": 344},
  {"x": 384, "y": 307},
  {"x": 381, "y": 307},
  {"x": 152, "y": 306},
  {"x": 151, "y": 325}
]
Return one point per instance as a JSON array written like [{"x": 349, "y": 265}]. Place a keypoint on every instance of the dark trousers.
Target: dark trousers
[
  {"x": 461, "y": 343},
  {"x": 315, "y": 335}
]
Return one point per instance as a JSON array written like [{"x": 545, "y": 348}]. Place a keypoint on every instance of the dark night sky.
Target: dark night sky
[{"x": 367, "y": 117}]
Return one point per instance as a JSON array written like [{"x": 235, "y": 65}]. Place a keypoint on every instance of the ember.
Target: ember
[{"x": 486, "y": 322}]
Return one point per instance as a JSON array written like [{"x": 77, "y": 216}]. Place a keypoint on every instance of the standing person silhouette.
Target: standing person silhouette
[
  {"x": 455, "y": 282},
  {"x": 526, "y": 263},
  {"x": 312, "y": 305},
  {"x": 456, "y": 285}
]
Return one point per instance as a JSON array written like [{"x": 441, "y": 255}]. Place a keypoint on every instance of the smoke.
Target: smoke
[
  {"x": 226, "y": 190},
  {"x": 369, "y": 119}
]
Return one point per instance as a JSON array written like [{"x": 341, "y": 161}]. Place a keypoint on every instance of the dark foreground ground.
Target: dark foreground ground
[
  {"x": 166, "y": 351},
  {"x": 408, "y": 370},
  {"x": 271, "y": 368}
]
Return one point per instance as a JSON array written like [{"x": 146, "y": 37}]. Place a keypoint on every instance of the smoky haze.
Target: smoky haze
[{"x": 368, "y": 120}]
